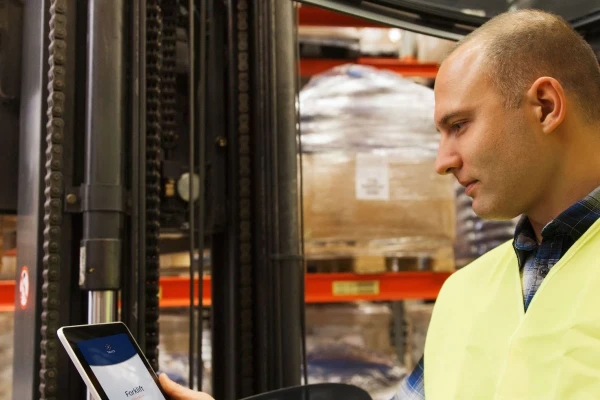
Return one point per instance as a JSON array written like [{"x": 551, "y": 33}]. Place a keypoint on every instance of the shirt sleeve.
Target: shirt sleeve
[{"x": 413, "y": 386}]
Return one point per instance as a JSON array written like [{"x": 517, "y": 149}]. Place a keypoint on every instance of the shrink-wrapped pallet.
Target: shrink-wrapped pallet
[
  {"x": 350, "y": 343},
  {"x": 370, "y": 188},
  {"x": 174, "y": 345},
  {"x": 6, "y": 354}
]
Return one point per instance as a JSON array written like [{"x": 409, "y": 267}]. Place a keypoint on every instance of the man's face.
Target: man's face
[{"x": 497, "y": 153}]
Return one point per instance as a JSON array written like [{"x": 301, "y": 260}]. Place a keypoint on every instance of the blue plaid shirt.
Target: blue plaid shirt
[{"x": 535, "y": 261}]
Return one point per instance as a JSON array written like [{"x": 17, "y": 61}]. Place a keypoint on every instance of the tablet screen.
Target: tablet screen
[{"x": 119, "y": 369}]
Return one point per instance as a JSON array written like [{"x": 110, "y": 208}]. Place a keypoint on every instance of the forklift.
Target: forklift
[{"x": 135, "y": 127}]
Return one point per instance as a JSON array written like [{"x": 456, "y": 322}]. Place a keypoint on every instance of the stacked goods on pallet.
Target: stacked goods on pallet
[
  {"x": 178, "y": 263},
  {"x": 350, "y": 343},
  {"x": 6, "y": 354},
  {"x": 474, "y": 236},
  {"x": 348, "y": 43},
  {"x": 371, "y": 193},
  {"x": 174, "y": 344},
  {"x": 8, "y": 226},
  {"x": 8, "y": 244},
  {"x": 417, "y": 317}
]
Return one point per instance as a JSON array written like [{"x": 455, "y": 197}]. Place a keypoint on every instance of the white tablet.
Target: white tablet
[{"x": 110, "y": 362}]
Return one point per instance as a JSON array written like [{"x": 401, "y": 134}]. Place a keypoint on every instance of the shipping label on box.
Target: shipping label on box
[{"x": 372, "y": 177}]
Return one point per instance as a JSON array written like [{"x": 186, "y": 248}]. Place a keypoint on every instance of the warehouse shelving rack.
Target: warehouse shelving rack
[{"x": 314, "y": 16}]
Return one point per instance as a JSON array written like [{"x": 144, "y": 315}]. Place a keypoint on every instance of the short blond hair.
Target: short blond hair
[{"x": 521, "y": 46}]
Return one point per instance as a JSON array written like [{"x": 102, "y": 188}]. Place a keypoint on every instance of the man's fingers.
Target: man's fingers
[
  {"x": 173, "y": 389},
  {"x": 168, "y": 385},
  {"x": 178, "y": 392}
]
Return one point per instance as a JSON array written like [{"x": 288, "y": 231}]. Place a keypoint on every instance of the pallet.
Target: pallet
[
  {"x": 360, "y": 264},
  {"x": 377, "y": 264}
]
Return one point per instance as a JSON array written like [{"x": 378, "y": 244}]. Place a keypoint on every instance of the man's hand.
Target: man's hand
[{"x": 178, "y": 392}]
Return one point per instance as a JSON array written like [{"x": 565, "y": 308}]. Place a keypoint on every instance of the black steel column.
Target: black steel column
[
  {"x": 290, "y": 265},
  {"x": 223, "y": 209},
  {"x": 261, "y": 28},
  {"x": 102, "y": 193},
  {"x": 49, "y": 161},
  {"x": 278, "y": 269},
  {"x": 31, "y": 199},
  {"x": 256, "y": 267},
  {"x": 134, "y": 277}
]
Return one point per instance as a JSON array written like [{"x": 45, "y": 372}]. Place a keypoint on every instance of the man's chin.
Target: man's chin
[{"x": 491, "y": 213}]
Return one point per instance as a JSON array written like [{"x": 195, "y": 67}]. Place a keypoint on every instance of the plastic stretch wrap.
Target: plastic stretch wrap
[
  {"x": 174, "y": 340},
  {"x": 6, "y": 353},
  {"x": 330, "y": 361},
  {"x": 350, "y": 343},
  {"x": 369, "y": 146},
  {"x": 475, "y": 236},
  {"x": 355, "y": 108}
]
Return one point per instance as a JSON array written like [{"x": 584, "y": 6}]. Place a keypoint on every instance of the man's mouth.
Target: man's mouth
[
  {"x": 468, "y": 185},
  {"x": 469, "y": 188}
]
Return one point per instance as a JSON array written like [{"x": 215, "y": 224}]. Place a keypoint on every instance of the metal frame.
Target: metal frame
[
  {"x": 26, "y": 373},
  {"x": 103, "y": 191},
  {"x": 134, "y": 279},
  {"x": 442, "y": 22},
  {"x": 30, "y": 207},
  {"x": 401, "y": 16}
]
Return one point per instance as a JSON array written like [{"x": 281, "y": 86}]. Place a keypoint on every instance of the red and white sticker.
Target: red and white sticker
[{"x": 24, "y": 287}]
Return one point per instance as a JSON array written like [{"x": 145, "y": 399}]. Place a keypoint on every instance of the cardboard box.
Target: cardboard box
[{"x": 363, "y": 205}]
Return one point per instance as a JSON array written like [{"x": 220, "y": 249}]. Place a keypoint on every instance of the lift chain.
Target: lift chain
[
  {"x": 170, "y": 13},
  {"x": 153, "y": 183},
  {"x": 244, "y": 107},
  {"x": 53, "y": 209}
]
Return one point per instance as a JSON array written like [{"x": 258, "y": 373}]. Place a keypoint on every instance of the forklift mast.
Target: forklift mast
[
  {"x": 120, "y": 102},
  {"x": 139, "y": 120}
]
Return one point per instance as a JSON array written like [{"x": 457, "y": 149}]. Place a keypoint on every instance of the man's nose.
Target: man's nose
[{"x": 447, "y": 159}]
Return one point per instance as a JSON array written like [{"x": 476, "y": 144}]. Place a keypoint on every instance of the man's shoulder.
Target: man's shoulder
[
  {"x": 482, "y": 268},
  {"x": 491, "y": 257},
  {"x": 472, "y": 281}
]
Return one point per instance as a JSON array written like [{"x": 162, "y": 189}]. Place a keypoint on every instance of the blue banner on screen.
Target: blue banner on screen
[{"x": 119, "y": 369}]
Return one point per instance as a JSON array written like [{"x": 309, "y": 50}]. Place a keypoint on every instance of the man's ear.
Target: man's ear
[{"x": 547, "y": 96}]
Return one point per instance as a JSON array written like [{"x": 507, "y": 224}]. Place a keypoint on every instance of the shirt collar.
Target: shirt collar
[
  {"x": 525, "y": 239},
  {"x": 573, "y": 222}
]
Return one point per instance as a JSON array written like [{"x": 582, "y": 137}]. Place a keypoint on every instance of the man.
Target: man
[{"x": 518, "y": 110}]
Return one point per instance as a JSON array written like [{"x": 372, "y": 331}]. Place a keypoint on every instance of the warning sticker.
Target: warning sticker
[
  {"x": 82, "y": 262},
  {"x": 24, "y": 288},
  {"x": 372, "y": 177},
  {"x": 355, "y": 288}
]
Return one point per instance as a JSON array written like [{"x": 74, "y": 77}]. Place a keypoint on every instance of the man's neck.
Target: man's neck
[
  {"x": 562, "y": 197},
  {"x": 577, "y": 176}
]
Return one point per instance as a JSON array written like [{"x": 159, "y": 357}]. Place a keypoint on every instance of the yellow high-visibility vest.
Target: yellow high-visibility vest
[{"x": 481, "y": 345}]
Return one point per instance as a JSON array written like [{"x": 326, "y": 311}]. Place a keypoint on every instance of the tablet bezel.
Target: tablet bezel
[{"x": 78, "y": 333}]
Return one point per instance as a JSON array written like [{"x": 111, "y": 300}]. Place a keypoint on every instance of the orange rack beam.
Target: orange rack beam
[
  {"x": 7, "y": 295},
  {"x": 315, "y": 16},
  {"x": 396, "y": 286},
  {"x": 310, "y": 66},
  {"x": 320, "y": 288},
  {"x": 175, "y": 291}
]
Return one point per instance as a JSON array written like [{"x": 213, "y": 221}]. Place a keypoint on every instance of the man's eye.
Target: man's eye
[{"x": 457, "y": 126}]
